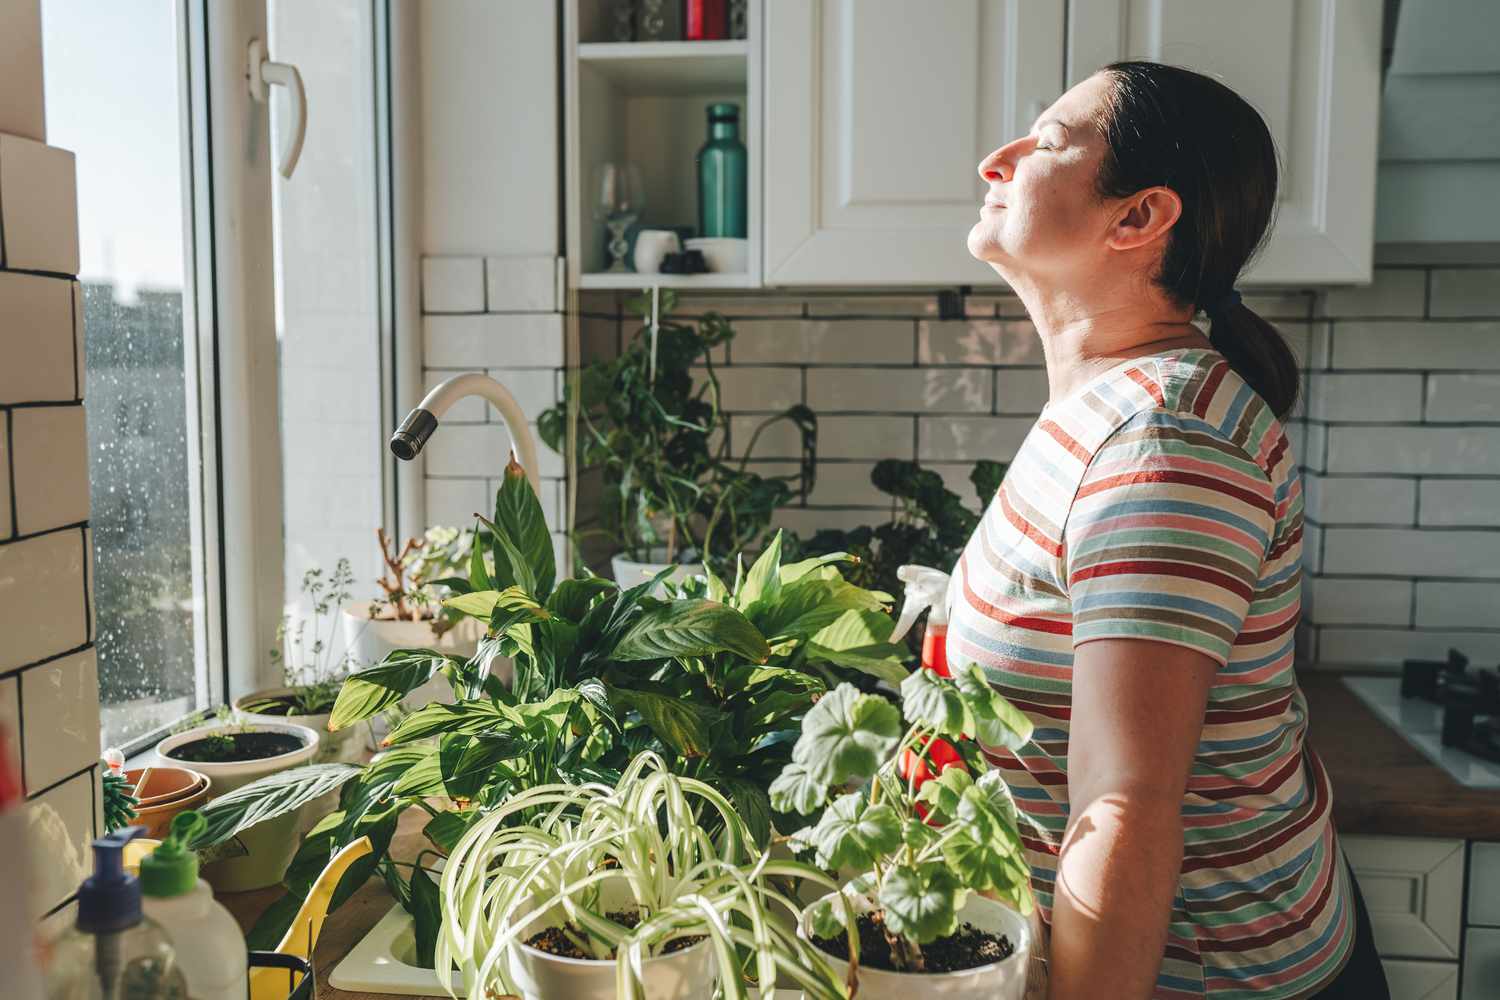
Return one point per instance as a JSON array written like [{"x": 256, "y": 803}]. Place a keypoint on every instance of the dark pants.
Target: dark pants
[{"x": 1362, "y": 978}]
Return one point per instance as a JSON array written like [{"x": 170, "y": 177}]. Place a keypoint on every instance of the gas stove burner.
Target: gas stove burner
[{"x": 1470, "y": 700}]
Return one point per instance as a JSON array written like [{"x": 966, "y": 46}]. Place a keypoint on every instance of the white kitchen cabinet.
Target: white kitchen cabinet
[
  {"x": 1413, "y": 890},
  {"x": 1421, "y": 980},
  {"x": 877, "y": 115},
  {"x": 1312, "y": 68}
]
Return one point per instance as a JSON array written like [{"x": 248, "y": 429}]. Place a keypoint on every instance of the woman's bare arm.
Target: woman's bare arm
[{"x": 1137, "y": 717}]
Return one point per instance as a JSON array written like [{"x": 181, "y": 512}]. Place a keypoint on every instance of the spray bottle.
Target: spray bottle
[
  {"x": 926, "y": 590},
  {"x": 210, "y": 947},
  {"x": 113, "y": 952}
]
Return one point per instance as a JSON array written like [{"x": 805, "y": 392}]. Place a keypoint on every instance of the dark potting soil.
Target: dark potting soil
[
  {"x": 236, "y": 747},
  {"x": 554, "y": 942},
  {"x": 967, "y": 948}
]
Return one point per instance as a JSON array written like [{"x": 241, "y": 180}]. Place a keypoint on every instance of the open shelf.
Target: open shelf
[
  {"x": 665, "y": 69},
  {"x": 614, "y": 279}
]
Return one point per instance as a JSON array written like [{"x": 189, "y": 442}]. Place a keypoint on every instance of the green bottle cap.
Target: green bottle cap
[
  {"x": 724, "y": 112},
  {"x": 172, "y": 869}
]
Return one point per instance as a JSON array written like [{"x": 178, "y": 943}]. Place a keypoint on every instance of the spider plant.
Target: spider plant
[{"x": 505, "y": 880}]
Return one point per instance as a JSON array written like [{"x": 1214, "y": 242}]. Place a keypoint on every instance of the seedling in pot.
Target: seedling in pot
[{"x": 919, "y": 874}]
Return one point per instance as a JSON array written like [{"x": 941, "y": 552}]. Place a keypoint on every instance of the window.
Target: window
[
  {"x": 113, "y": 96},
  {"x": 234, "y": 323}
]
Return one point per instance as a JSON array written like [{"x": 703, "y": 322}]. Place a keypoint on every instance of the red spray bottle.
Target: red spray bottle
[{"x": 926, "y": 590}]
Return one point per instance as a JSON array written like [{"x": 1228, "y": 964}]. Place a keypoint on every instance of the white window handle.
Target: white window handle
[{"x": 262, "y": 73}]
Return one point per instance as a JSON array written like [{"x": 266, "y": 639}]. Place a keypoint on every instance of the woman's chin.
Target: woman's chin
[{"x": 984, "y": 243}]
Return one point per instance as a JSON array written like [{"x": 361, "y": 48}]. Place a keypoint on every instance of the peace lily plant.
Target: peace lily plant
[
  {"x": 921, "y": 838},
  {"x": 582, "y": 890}
]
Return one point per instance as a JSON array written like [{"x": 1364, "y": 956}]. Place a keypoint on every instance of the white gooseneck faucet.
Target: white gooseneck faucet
[{"x": 419, "y": 424}]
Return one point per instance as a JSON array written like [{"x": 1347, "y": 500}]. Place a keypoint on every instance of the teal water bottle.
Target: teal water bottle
[{"x": 723, "y": 175}]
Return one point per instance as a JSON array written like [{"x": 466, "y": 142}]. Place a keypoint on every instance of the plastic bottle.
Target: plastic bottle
[
  {"x": 113, "y": 951},
  {"x": 210, "y": 948},
  {"x": 926, "y": 590}
]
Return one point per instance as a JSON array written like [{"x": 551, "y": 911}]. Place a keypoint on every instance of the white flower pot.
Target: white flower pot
[
  {"x": 346, "y": 745},
  {"x": 1004, "y": 980},
  {"x": 689, "y": 974},
  {"x": 628, "y": 573},
  {"x": 269, "y": 845}
]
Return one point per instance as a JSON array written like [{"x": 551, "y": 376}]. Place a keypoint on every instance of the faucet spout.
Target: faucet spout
[{"x": 408, "y": 440}]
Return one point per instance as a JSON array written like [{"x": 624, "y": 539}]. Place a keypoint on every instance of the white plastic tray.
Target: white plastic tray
[{"x": 381, "y": 963}]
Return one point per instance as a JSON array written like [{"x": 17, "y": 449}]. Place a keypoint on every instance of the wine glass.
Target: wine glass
[{"x": 618, "y": 200}]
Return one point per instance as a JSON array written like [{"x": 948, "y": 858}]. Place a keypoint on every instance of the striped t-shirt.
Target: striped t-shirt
[{"x": 1160, "y": 501}]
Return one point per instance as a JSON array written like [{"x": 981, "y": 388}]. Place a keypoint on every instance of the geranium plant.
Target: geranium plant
[
  {"x": 546, "y": 882},
  {"x": 920, "y": 835}
]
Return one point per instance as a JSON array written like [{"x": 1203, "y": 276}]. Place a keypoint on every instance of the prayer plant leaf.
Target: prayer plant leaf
[
  {"x": 846, "y": 735},
  {"x": 426, "y": 912},
  {"x": 996, "y": 722},
  {"x": 687, "y": 628},
  {"x": 366, "y": 692},
  {"x": 795, "y": 791},
  {"x": 572, "y": 598},
  {"x": 881, "y": 661},
  {"x": 686, "y": 727},
  {"x": 854, "y": 834},
  {"x": 273, "y": 795},
  {"x": 934, "y": 702},
  {"x": 921, "y": 903},
  {"x": 473, "y": 716},
  {"x": 522, "y": 529}
]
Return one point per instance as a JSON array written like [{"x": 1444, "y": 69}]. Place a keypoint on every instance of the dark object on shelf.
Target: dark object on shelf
[
  {"x": 686, "y": 262},
  {"x": 1470, "y": 700},
  {"x": 739, "y": 18},
  {"x": 303, "y": 990},
  {"x": 622, "y": 20},
  {"x": 658, "y": 21},
  {"x": 723, "y": 176},
  {"x": 704, "y": 20}
]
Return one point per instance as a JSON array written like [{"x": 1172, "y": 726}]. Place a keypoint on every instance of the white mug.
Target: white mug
[{"x": 651, "y": 245}]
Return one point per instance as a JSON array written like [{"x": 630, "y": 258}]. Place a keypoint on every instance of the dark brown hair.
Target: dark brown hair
[{"x": 1171, "y": 127}]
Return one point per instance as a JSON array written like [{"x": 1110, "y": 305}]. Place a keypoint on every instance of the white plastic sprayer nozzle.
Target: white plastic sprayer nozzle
[{"x": 925, "y": 588}]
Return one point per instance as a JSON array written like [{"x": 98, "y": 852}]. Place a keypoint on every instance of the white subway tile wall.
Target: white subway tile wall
[
  {"x": 1399, "y": 435},
  {"x": 499, "y": 315},
  {"x": 49, "y": 690}
]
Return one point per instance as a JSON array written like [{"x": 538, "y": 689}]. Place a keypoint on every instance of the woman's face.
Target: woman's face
[{"x": 1041, "y": 214}]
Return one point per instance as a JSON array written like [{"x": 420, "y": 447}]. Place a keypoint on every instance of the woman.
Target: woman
[{"x": 1135, "y": 585}]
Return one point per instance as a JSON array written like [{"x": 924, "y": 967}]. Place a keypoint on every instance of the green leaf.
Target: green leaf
[
  {"x": 763, "y": 582},
  {"x": 472, "y": 716},
  {"x": 855, "y": 834},
  {"x": 934, "y": 702},
  {"x": 368, "y": 691},
  {"x": 796, "y": 571},
  {"x": 426, "y": 912},
  {"x": 273, "y": 924},
  {"x": 269, "y": 797},
  {"x": 804, "y": 608},
  {"x": 522, "y": 530},
  {"x": 921, "y": 904},
  {"x": 996, "y": 721},
  {"x": 686, "y": 727},
  {"x": 943, "y": 793},
  {"x": 856, "y": 630},
  {"x": 691, "y": 628},
  {"x": 486, "y": 604},
  {"x": 479, "y": 575},
  {"x": 826, "y": 917},
  {"x": 446, "y": 828},
  {"x": 572, "y": 598},
  {"x": 883, "y": 661},
  {"x": 795, "y": 791},
  {"x": 846, "y": 735},
  {"x": 754, "y": 807},
  {"x": 466, "y": 762}
]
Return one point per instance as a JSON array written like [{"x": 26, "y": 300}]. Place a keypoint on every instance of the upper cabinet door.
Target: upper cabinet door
[
  {"x": 877, "y": 115},
  {"x": 1312, "y": 68}
]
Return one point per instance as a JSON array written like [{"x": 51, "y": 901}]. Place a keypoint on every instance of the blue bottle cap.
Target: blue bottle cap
[{"x": 109, "y": 900}]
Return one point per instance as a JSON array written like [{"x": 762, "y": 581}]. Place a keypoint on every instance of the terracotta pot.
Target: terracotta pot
[{"x": 168, "y": 791}]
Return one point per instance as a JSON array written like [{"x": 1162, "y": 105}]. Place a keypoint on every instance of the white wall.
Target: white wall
[{"x": 49, "y": 688}]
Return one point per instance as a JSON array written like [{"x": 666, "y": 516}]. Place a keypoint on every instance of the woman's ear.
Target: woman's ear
[{"x": 1145, "y": 218}]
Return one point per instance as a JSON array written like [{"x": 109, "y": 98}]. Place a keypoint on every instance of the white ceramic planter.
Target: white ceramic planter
[
  {"x": 1005, "y": 980},
  {"x": 689, "y": 974},
  {"x": 346, "y": 745},
  {"x": 269, "y": 845},
  {"x": 629, "y": 573}
]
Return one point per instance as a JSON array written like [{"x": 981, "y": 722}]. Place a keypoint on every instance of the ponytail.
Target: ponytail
[
  {"x": 1259, "y": 354},
  {"x": 1170, "y": 126}
]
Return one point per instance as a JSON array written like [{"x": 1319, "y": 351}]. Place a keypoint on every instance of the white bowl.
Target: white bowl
[{"x": 724, "y": 254}]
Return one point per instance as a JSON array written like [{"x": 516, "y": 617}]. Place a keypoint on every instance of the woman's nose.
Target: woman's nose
[{"x": 1001, "y": 164}]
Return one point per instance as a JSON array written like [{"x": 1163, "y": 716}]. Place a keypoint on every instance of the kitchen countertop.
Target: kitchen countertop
[{"x": 1381, "y": 785}]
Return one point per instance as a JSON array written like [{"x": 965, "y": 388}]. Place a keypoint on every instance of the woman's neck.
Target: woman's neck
[{"x": 1082, "y": 337}]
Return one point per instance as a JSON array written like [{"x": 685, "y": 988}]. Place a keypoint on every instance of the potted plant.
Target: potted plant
[
  {"x": 928, "y": 833},
  {"x": 311, "y": 672},
  {"x": 409, "y": 612},
  {"x": 650, "y": 419},
  {"x": 599, "y": 891},
  {"x": 233, "y": 755}
]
